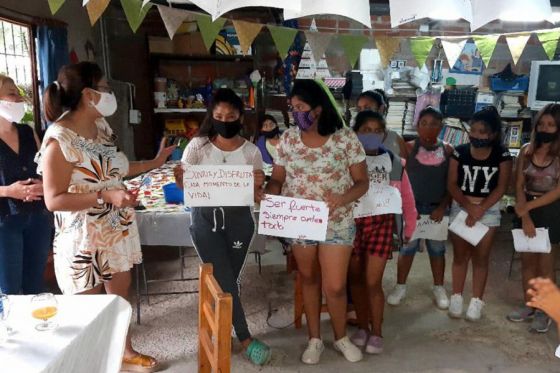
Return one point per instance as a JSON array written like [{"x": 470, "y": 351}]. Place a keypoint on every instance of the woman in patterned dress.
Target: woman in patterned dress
[{"x": 96, "y": 241}]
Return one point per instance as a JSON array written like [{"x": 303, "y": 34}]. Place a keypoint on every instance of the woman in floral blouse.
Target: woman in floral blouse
[
  {"x": 96, "y": 241},
  {"x": 322, "y": 160}
]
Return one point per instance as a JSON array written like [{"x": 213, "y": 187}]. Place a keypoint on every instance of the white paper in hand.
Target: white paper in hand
[
  {"x": 473, "y": 234},
  {"x": 538, "y": 244},
  {"x": 431, "y": 230}
]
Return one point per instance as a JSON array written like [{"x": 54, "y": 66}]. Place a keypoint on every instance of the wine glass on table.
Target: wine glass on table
[{"x": 44, "y": 307}]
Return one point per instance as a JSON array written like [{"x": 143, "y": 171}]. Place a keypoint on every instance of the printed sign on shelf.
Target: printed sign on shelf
[
  {"x": 227, "y": 185},
  {"x": 293, "y": 218}
]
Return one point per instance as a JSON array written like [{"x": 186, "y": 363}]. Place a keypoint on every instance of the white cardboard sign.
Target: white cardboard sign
[
  {"x": 293, "y": 218},
  {"x": 380, "y": 199},
  {"x": 223, "y": 185},
  {"x": 538, "y": 244},
  {"x": 429, "y": 229},
  {"x": 473, "y": 234}
]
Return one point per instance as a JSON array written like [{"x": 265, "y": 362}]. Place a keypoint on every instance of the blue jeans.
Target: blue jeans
[{"x": 25, "y": 241}]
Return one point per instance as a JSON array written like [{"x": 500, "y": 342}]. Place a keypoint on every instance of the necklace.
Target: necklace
[{"x": 224, "y": 157}]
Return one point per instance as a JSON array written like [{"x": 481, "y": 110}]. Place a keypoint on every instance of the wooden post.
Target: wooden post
[{"x": 214, "y": 324}]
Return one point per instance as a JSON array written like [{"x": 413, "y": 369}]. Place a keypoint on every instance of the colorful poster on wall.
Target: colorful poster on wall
[
  {"x": 469, "y": 61},
  {"x": 227, "y": 43}
]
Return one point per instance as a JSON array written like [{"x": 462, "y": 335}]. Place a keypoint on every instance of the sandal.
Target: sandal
[
  {"x": 139, "y": 363},
  {"x": 258, "y": 353}
]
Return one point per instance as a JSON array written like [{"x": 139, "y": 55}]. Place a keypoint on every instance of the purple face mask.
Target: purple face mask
[
  {"x": 371, "y": 141},
  {"x": 303, "y": 119}
]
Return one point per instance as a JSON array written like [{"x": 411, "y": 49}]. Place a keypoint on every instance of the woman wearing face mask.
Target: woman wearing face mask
[
  {"x": 222, "y": 235},
  {"x": 538, "y": 205},
  {"x": 322, "y": 160},
  {"x": 374, "y": 240},
  {"x": 479, "y": 174},
  {"x": 268, "y": 139},
  {"x": 96, "y": 241},
  {"x": 377, "y": 101},
  {"x": 427, "y": 166},
  {"x": 25, "y": 223}
]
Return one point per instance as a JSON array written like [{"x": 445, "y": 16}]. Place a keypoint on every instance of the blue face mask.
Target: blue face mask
[{"x": 371, "y": 141}]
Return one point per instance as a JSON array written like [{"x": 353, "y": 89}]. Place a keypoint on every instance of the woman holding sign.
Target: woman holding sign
[
  {"x": 322, "y": 160},
  {"x": 538, "y": 205},
  {"x": 222, "y": 235},
  {"x": 479, "y": 173}
]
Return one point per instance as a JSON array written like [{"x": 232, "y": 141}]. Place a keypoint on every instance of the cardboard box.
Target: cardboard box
[
  {"x": 189, "y": 44},
  {"x": 160, "y": 45}
]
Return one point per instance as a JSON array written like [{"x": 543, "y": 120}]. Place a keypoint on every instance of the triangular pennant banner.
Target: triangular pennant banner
[
  {"x": 386, "y": 47},
  {"x": 486, "y": 45},
  {"x": 55, "y": 5},
  {"x": 516, "y": 45},
  {"x": 318, "y": 42},
  {"x": 549, "y": 41},
  {"x": 95, "y": 9},
  {"x": 144, "y": 2},
  {"x": 172, "y": 18},
  {"x": 421, "y": 48},
  {"x": 135, "y": 12},
  {"x": 352, "y": 45},
  {"x": 453, "y": 49},
  {"x": 208, "y": 29},
  {"x": 283, "y": 38},
  {"x": 246, "y": 33}
]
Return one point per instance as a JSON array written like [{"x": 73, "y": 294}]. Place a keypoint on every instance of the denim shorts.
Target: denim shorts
[
  {"x": 491, "y": 218},
  {"x": 342, "y": 237},
  {"x": 435, "y": 248}
]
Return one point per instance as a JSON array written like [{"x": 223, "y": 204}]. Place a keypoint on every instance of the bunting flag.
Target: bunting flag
[
  {"x": 135, "y": 12},
  {"x": 172, "y": 18},
  {"x": 55, "y": 5},
  {"x": 549, "y": 41},
  {"x": 208, "y": 29},
  {"x": 318, "y": 42},
  {"x": 144, "y": 2},
  {"x": 486, "y": 45},
  {"x": 453, "y": 49},
  {"x": 352, "y": 45},
  {"x": 421, "y": 47},
  {"x": 246, "y": 33},
  {"x": 283, "y": 38},
  {"x": 516, "y": 45},
  {"x": 359, "y": 10},
  {"x": 386, "y": 47},
  {"x": 95, "y": 9}
]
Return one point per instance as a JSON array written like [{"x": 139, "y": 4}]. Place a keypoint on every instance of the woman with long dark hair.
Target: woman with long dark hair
[
  {"x": 222, "y": 235},
  {"x": 479, "y": 174},
  {"x": 538, "y": 205},
  {"x": 322, "y": 160}
]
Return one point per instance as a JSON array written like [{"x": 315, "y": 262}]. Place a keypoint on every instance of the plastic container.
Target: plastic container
[{"x": 173, "y": 194}]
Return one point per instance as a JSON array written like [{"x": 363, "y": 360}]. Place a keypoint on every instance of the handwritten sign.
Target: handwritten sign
[
  {"x": 380, "y": 199},
  {"x": 473, "y": 234},
  {"x": 431, "y": 230},
  {"x": 293, "y": 218},
  {"x": 224, "y": 185}
]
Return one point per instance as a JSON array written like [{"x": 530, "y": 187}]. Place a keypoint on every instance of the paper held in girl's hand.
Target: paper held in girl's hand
[
  {"x": 473, "y": 234},
  {"x": 538, "y": 244},
  {"x": 431, "y": 230}
]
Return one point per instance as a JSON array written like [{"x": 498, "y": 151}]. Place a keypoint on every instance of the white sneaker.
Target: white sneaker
[
  {"x": 456, "y": 306},
  {"x": 352, "y": 353},
  {"x": 474, "y": 312},
  {"x": 440, "y": 297},
  {"x": 312, "y": 353},
  {"x": 397, "y": 295}
]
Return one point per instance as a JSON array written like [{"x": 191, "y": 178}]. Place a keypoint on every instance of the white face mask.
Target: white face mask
[
  {"x": 12, "y": 111},
  {"x": 107, "y": 104}
]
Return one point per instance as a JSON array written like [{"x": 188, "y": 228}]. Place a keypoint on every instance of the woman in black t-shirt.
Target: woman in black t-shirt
[{"x": 479, "y": 173}]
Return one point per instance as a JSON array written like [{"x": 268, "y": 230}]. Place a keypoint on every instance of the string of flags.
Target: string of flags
[{"x": 352, "y": 44}]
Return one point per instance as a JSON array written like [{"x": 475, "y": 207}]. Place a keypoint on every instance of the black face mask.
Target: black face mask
[
  {"x": 271, "y": 134},
  {"x": 227, "y": 130},
  {"x": 545, "y": 137},
  {"x": 480, "y": 143}
]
